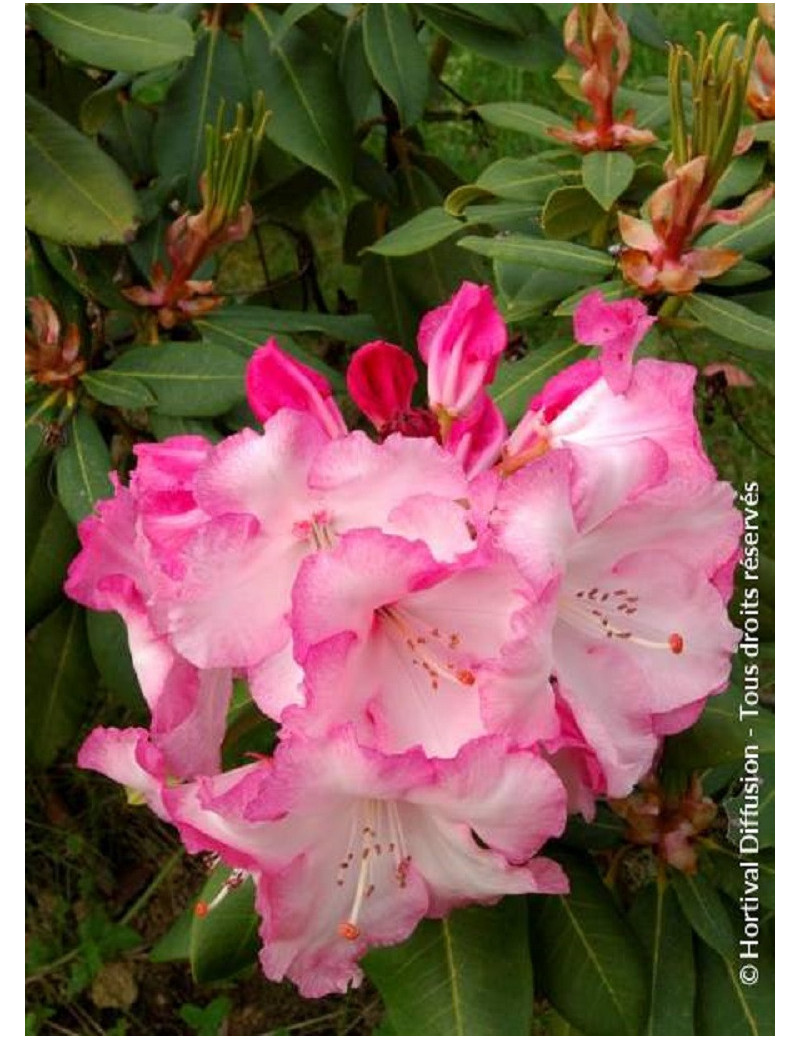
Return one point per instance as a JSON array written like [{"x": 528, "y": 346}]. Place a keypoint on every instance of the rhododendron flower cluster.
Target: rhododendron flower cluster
[{"x": 464, "y": 632}]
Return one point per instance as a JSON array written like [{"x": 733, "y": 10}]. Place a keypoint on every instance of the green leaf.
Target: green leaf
[
  {"x": 587, "y": 959},
  {"x": 467, "y": 975},
  {"x": 424, "y": 230},
  {"x": 745, "y": 272},
  {"x": 727, "y": 1007},
  {"x": 108, "y": 641},
  {"x": 191, "y": 379},
  {"x": 383, "y": 293},
  {"x": 397, "y": 58},
  {"x": 720, "y": 735},
  {"x": 73, "y": 191},
  {"x": 214, "y": 74},
  {"x": 535, "y": 292},
  {"x": 705, "y": 911},
  {"x": 652, "y": 110},
  {"x": 765, "y": 131},
  {"x": 50, "y": 545},
  {"x": 743, "y": 174},
  {"x": 606, "y": 831},
  {"x": 570, "y": 212},
  {"x": 527, "y": 119},
  {"x": 59, "y": 683},
  {"x": 98, "y": 106},
  {"x": 164, "y": 426},
  {"x": 111, "y": 36},
  {"x": 539, "y": 252},
  {"x": 644, "y": 25},
  {"x": 517, "y": 381},
  {"x": 751, "y": 238},
  {"x": 82, "y": 467},
  {"x": 743, "y": 799},
  {"x": 534, "y": 44},
  {"x": 464, "y": 195},
  {"x": 528, "y": 180},
  {"x": 732, "y": 321},
  {"x": 226, "y": 939},
  {"x": 293, "y": 14},
  {"x": 115, "y": 388},
  {"x": 354, "y": 71},
  {"x": 607, "y": 175},
  {"x": 613, "y": 290},
  {"x": 723, "y": 864},
  {"x": 667, "y": 938},
  {"x": 175, "y": 944},
  {"x": 310, "y": 118},
  {"x": 37, "y": 415}
]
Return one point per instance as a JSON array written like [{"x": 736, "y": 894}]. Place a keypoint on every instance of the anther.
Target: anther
[
  {"x": 349, "y": 931},
  {"x": 675, "y": 643}
]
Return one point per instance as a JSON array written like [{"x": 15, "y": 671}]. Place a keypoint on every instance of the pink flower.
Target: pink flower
[
  {"x": 271, "y": 500},
  {"x": 641, "y": 628},
  {"x": 129, "y": 757},
  {"x": 476, "y": 440},
  {"x": 275, "y": 380},
  {"x": 621, "y": 444},
  {"x": 617, "y": 328},
  {"x": 131, "y": 550},
  {"x": 380, "y": 379},
  {"x": 350, "y": 848},
  {"x": 461, "y": 343},
  {"x": 407, "y": 649}
]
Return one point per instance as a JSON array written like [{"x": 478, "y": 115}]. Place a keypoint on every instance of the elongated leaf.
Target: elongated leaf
[
  {"x": 108, "y": 641},
  {"x": 527, "y": 119},
  {"x": 164, "y": 426},
  {"x": 59, "y": 683},
  {"x": 726, "y": 1006},
  {"x": 652, "y": 110},
  {"x": 665, "y": 934},
  {"x": 569, "y": 212},
  {"x": 732, "y": 321},
  {"x": 397, "y": 59},
  {"x": 383, "y": 293},
  {"x": 540, "y": 252},
  {"x": 82, "y": 467},
  {"x": 517, "y": 381},
  {"x": 705, "y": 911},
  {"x": 246, "y": 327},
  {"x": 293, "y": 14},
  {"x": 724, "y": 865},
  {"x": 421, "y": 232},
  {"x": 111, "y": 36},
  {"x": 528, "y": 180},
  {"x": 354, "y": 71},
  {"x": 174, "y": 945},
  {"x": 49, "y": 548},
  {"x": 37, "y": 415},
  {"x": 226, "y": 939},
  {"x": 310, "y": 117},
  {"x": 745, "y": 272},
  {"x": 752, "y": 238},
  {"x": 214, "y": 74},
  {"x": 607, "y": 175},
  {"x": 613, "y": 290},
  {"x": 467, "y": 975},
  {"x": 587, "y": 959},
  {"x": 535, "y": 43},
  {"x": 192, "y": 379},
  {"x": 74, "y": 192},
  {"x": 116, "y": 388},
  {"x": 742, "y": 175},
  {"x": 537, "y": 292}
]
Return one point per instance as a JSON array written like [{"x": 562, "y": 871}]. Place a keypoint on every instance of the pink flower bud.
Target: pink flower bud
[
  {"x": 380, "y": 379},
  {"x": 617, "y": 328},
  {"x": 274, "y": 380},
  {"x": 461, "y": 343}
]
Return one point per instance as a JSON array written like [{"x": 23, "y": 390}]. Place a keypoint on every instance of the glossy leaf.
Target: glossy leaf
[
  {"x": 226, "y": 939},
  {"x": 732, "y": 321},
  {"x": 111, "y": 36},
  {"x": 651, "y": 110},
  {"x": 742, "y": 175},
  {"x": 666, "y": 936},
  {"x": 164, "y": 426},
  {"x": 527, "y": 119},
  {"x": 293, "y": 14},
  {"x": 467, "y": 975},
  {"x": 704, "y": 911},
  {"x": 50, "y": 545},
  {"x": 192, "y": 379},
  {"x": 59, "y": 684},
  {"x": 310, "y": 118},
  {"x": 526, "y": 180},
  {"x": 588, "y": 962},
  {"x": 397, "y": 58},
  {"x": 540, "y": 252},
  {"x": 606, "y": 175},
  {"x": 354, "y": 71},
  {"x": 517, "y": 381},
  {"x": 570, "y": 212},
  {"x": 117, "y": 389},
  {"x": 174, "y": 944},
  {"x": 108, "y": 641},
  {"x": 745, "y": 272},
  {"x": 536, "y": 292},
  {"x": 246, "y": 327},
  {"x": 728, "y": 1007},
  {"x": 534, "y": 44},
  {"x": 421, "y": 232},
  {"x": 613, "y": 290},
  {"x": 74, "y": 192},
  {"x": 751, "y": 238},
  {"x": 723, "y": 865},
  {"x": 214, "y": 74},
  {"x": 82, "y": 467}
]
